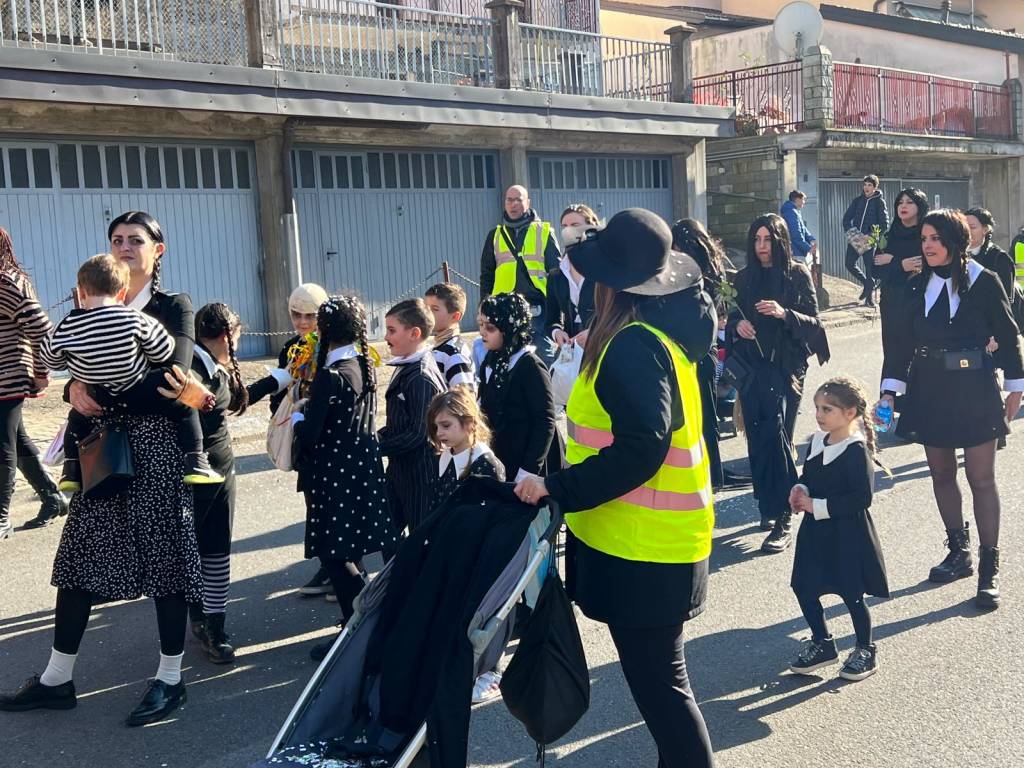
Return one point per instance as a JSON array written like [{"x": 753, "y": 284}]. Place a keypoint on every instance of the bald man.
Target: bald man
[{"x": 516, "y": 258}]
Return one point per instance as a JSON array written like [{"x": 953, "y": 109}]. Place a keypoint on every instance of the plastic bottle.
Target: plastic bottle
[{"x": 883, "y": 417}]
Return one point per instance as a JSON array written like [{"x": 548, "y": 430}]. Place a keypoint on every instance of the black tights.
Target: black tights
[
  {"x": 74, "y": 606},
  {"x": 815, "y": 615},
  {"x": 980, "y": 466},
  {"x": 347, "y": 583}
]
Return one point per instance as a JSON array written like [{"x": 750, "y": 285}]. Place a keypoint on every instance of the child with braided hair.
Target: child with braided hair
[
  {"x": 215, "y": 363},
  {"x": 341, "y": 473},
  {"x": 837, "y": 549}
]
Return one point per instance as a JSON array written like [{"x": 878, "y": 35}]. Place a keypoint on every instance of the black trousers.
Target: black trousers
[
  {"x": 655, "y": 668},
  {"x": 863, "y": 276},
  {"x": 14, "y": 442},
  {"x": 709, "y": 412},
  {"x": 792, "y": 406},
  {"x": 143, "y": 398},
  {"x": 347, "y": 583}
]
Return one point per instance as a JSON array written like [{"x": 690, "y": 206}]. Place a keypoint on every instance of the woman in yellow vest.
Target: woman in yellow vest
[{"x": 637, "y": 493}]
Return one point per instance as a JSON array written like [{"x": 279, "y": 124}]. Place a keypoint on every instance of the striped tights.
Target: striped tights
[{"x": 216, "y": 579}]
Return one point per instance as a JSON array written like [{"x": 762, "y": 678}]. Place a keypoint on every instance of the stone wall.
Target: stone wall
[{"x": 745, "y": 179}]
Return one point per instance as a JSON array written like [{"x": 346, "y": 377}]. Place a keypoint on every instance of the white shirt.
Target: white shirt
[
  {"x": 211, "y": 365},
  {"x": 142, "y": 298},
  {"x": 829, "y": 454},
  {"x": 462, "y": 459},
  {"x": 409, "y": 358},
  {"x": 341, "y": 353}
]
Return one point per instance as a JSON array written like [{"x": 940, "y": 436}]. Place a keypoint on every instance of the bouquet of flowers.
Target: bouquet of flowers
[
  {"x": 730, "y": 297},
  {"x": 877, "y": 238},
  {"x": 302, "y": 361}
]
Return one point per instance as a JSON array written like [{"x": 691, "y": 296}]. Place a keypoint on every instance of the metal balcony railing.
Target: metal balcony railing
[{"x": 767, "y": 98}]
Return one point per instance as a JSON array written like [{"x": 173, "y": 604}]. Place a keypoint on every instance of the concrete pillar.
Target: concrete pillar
[
  {"x": 281, "y": 266},
  {"x": 819, "y": 101},
  {"x": 508, "y": 51},
  {"x": 514, "y": 167},
  {"x": 681, "y": 86},
  {"x": 261, "y": 34},
  {"x": 1016, "y": 107},
  {"x": 690, "y": 184}
]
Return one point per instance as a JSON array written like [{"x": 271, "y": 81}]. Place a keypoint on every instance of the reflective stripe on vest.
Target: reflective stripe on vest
[
  {"x": 1018, "y": 262},
  {"x": 668, "y": 519},
  {"x": 534, "y": 244}
]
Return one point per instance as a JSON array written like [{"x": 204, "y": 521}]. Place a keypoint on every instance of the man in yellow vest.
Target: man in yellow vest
[
  {"x": 1017, "y": 251},
  {"x": 516, "y": 258},
  {"x": 637, "y": 494}
]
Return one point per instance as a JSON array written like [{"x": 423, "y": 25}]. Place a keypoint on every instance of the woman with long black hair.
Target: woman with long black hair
[
  {"x": 773, "y": 331},
  {"x": 142, "y": 541},
  {"x": 638, "y": 491},
  {"x": 23, "y": 326},
  {"x": 950, "y": 389}
]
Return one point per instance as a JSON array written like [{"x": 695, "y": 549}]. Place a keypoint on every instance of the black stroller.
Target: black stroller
[{"x": 324, "y": 713}]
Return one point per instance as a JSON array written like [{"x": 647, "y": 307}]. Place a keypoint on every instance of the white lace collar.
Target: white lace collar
[
  {"x": 211, "y": 365},
  {"x": 341, "y": 353},
  {"x": 142, "y": 298},
  {"x": 831, "y": 452},
  {"x": 462, "y": 459},
  {"x": 936, "y": 284}
]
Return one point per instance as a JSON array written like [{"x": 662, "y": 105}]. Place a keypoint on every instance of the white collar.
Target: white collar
[
  {"x": 341, "y": 353},
  {"x": 417, "y": 355},
  {"x": 462, "y": 459},
  {"x": 975, "y": 251},
  {"x": 831, "y": 451},
  {"x": 936, "y": 284},
  {"x": 574, "y": 287},
  {"x": 142, "y": 298},
  {"x": 211, "y": 365},
  {"x": 512, "y": 360}
]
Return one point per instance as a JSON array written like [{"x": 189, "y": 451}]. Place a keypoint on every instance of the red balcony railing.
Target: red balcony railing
[
  {"x": 880, "y": 99},
  {"x": 767, "y": 98}
]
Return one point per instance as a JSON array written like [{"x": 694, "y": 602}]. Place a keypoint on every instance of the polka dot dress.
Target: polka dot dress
[
  {"x": 143, "y": 541},
  {"x": 346, "y": 497}
]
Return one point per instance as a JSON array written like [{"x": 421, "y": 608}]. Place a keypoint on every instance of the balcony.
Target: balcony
[
  {"x": 815, "y": 92},
  {"x": 539, "y": 45}
]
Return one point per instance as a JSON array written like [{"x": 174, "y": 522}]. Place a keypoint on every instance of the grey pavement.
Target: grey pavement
[{"x": 947, "y": 694}]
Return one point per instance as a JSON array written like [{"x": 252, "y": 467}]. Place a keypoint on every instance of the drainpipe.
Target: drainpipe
[
  {"x": 947, "y": 8},
  {"x": 289, "y": 218}
]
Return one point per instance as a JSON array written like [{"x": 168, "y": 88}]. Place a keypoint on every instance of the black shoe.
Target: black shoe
[
  {"x": 34, "y": 695},
  {"x": 767, "y": 523},
  {"x": 320, "y": 584},
  {"x": 53, "y": 506},
  {"x": 199, "y": 472},
  {"x": 781, "y": 536},
  {"x": 861, "y": 663},
  {"x": 869, "y": 300},
  {"x": 957, "y": 564},
  {"x": 70, "y": 477},
  {"x": 215, "y": 640},
  {"x": 157, "y": 703},
  {"x": 815, "y": 655},
  {"x": 6, "y": 529},
  {"x": 988, "y": 578}
]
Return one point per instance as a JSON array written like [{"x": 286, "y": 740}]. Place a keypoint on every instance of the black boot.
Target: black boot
[
  {"x": 957, "y": 564},
  {"x": 988, "y": 578},
  {"x": 53, "y": 505},
  {"x": 767, "y": 523},
  {"x": 781, "y": 536},
  {"x": 215, "y": 642},
  {"x": 6, "y": 529}
]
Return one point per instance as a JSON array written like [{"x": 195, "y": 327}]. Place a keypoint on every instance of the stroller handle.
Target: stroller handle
[
  {"x": 544, "y": 548},
  {"x": 557, "y": 518}
]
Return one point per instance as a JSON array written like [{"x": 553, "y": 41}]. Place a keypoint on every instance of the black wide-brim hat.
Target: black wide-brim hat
[{"x": 633, "y": 254}]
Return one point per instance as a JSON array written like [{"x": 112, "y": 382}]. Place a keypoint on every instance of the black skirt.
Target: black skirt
[{"x": 951, "y": 409}]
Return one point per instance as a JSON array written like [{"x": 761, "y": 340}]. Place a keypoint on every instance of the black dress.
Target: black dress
[
  {"x": 903, "y": 243},
  {"x": 521, "y": 416},
  {"x": 838, "y": 554},
  {"x": 452, "y": 470},
  {"x": 142, "y": 542},
  {"x": 955, "y": 408},
  {"x": 215, "y": 504},
  {"x": 340, "y": 468}
]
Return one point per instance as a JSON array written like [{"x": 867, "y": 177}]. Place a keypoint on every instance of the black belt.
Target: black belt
[{"x": 939, "y": 353}]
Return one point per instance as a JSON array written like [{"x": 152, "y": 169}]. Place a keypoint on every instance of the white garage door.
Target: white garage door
[
  {"x": 379, "y": 223},
  {"x": 57, "y": 199}
]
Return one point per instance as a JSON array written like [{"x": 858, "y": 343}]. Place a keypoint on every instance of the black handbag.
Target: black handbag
[
  {"x": 964, "y": 360},
  {"x": 105, "y": 458},
  {"x": 735, "y": 372}
]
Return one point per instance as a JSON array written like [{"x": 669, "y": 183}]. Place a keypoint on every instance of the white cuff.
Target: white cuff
[
  {"x": 281, "y": 376},
  {"x": 297, "y": 417},
  {"x": 894, "y": 385},
  {"x": 522, "y": 474},
  {"x": 820, "y": 509},
  {"x": 1013, "y": 385}
]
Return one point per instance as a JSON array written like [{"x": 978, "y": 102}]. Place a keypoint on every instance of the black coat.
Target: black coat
[
  {"x": 903, "y": 243},
  {"x": 636, "y": 385},
  {"x": 561, "y": 312},
  {"x": 340, "y": 468},
  {"x": 877, "y": 213},
  {"x": 523, "y": 431},
  {"x": 484, "y": 465},
  {"x": 840, "y": 554},
  {"x": 524, "y": 286},
  {"x": 995, "y": 259}
]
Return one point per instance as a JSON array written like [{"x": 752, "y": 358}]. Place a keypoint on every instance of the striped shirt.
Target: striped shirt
[
  {"x": 23, "y": 327},
  {"x": 112, "y": 346},
  {"x": 456, "y": 362}
]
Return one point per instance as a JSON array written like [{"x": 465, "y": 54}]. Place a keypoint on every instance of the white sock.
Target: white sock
[
  {"x": 59, "y": 669},
  {"x": 169, "y": 670}
]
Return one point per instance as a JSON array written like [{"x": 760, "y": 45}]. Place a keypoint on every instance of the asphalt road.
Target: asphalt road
[{"x": 946, "y": 694}]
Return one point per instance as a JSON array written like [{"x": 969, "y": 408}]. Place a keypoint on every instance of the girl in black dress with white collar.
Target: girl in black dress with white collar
[
  {"x": 952, "y": 391},
  {"x": 837, "y": 549}
]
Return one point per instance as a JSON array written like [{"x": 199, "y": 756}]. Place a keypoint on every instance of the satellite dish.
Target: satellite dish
[{"x": 797, "y": 27}]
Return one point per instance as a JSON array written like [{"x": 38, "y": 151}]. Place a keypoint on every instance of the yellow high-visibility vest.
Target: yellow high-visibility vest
[
  {"x": 668, "y": 519},
  {"x": 1018, "y": 262},
  {"x": 534, "y": 245}
]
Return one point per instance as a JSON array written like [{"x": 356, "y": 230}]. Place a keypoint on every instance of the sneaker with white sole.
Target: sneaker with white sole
[
  {"x": 486, "y": 687},
  {"x": 861, "y": 663},
  {"x": 320, "y": 584},
  {"x": 815, "y": 655},
  {"x": 199, "y": 472}
]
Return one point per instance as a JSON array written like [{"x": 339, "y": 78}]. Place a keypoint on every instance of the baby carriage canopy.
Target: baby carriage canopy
[{"x": 435, "y": 618}]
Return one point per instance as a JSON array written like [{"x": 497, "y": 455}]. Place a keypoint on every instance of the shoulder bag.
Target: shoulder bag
[{"x": 105, "y": 458}]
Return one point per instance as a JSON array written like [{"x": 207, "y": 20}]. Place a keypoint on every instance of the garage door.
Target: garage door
[
  {"x": 605, "y": 183},
  {"x": 379, "y": 223},
  {"x": 58, "y": 198}
]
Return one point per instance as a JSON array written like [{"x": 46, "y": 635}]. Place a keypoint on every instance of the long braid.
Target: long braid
[
  {"x": 156, "y": 273},
  {"x": 342, "y": 320},
  {"x": 962, "y": 279},
  {"x": 215, "y": 320},
  {"x": 239, "y": 392},
  {"x": 369, "y": 375},
  {"x": 848, "y": 393},
  {"x": 8, "y": 261}
]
